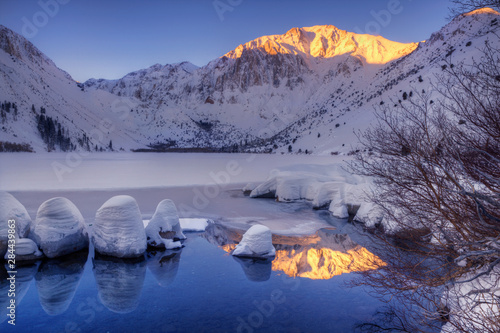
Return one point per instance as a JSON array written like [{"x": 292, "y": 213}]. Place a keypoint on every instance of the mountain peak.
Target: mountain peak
[
  {"x": 327, "y": 41},
  {"x": 19, "y": 47},
  {"x": 482, "y": 11}
]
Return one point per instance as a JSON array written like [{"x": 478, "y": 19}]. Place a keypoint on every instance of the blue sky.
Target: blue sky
[{"x": 108, "y": 38}]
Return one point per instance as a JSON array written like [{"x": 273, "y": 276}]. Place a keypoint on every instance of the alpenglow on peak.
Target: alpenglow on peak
[{"x": 327, "y": 41}]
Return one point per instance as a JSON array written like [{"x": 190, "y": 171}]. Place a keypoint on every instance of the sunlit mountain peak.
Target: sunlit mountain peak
[{"x": 327, "y": 41}]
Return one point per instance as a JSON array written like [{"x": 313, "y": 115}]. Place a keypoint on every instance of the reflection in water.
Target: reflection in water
[
  {"x": 164, "y": 265},
  {"x": 256, "y": 270},
  {"x": 320, "y": 256},
  {"x": 333, "y": 254},
  {"x": 119, "y": 282},
  {"x": 324, "y": 263},
  {"x": 57, "y": 281},
  {"x": 23, "y": 279}
]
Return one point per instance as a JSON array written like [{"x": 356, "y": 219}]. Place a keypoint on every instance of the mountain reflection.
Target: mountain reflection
[
  {"x": 319, "y": 256},
  {"x": 164, "y": 266},
  {"x": 119, "y": 282},
  {"x": 57, "y": 281}
]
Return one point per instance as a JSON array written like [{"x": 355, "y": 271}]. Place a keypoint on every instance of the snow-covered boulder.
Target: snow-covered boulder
[
  {"x": 325, "y": 186},
  {"x": 164, "y": 229},
  {"x": 257, "y": 242},
  {"x": 369, "y": 214},
  {"x": 12, "y": 209},
  {"x": 118, "y": 228},
  {"x": 59, "y": 228},
  {"x": 26, "y": 249}
]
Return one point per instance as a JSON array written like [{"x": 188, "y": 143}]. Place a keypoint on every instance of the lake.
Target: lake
[{"x": 200, "y": 288}]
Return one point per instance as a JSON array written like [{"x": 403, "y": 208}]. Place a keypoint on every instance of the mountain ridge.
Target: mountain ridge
[{"x": 306, "y": 89}]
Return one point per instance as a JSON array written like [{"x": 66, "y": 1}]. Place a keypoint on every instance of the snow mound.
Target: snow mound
[
  {"x": 164, "y": 229},
  {"x": 12, "y": 209},
  {"x": 26, "y": 249},
  {"x": 194, "y": 224},
  {"x": 59, "y": 228},
  {"x": 325, "y": 186},
  {"x": 257, "y": 242},
  {"x": 118, "y": 228}
]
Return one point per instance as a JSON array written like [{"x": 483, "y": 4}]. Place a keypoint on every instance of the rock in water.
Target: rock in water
[
  {"x": 257, "y": 242},
  {"x": 59, "y": 228},
  {"x": 12, "y": 209},
  {"x": 164, "y": 228},
  {"x": 118, "y": 228},
  {"x": 26, "y": 250}
]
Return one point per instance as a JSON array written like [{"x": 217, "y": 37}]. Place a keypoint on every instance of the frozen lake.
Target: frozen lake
[
  {"x": 199, "y": 288},
  {"x": 55, "y": 171}
]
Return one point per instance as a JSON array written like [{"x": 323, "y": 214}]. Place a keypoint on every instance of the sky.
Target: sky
[{"x": 110, "y": 38}]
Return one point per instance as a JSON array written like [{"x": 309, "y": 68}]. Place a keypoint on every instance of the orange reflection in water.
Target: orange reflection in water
[
  {"x": 325, "y": 263},
  {"x": 319, "y": 257}
]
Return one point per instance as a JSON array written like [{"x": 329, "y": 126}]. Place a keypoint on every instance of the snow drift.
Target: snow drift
[{"x": 326, "y": 186}]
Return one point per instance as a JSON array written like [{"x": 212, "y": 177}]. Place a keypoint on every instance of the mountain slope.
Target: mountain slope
[{"x": 309, "y": 88}]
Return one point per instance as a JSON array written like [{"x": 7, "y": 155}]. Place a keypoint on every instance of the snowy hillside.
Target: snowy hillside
[{"x": 308, "y": 89}]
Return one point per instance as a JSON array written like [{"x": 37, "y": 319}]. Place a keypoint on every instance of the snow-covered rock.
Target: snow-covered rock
[
  {"x": 325, "y": 186},
  {"x": 194, "y": 224},
  {"x": 164, "y": 229},
  {"x": 59, "y": 228},
  {"x": 12, "y": 209},
  {"x": 118, "y": 228},
  {"x": 26, "y": 249},
  {"x": 257, "y": 242},
  {"x": 369, "y": 214}
]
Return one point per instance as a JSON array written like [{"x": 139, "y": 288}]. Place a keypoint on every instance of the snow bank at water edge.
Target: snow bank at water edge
[{"x": 326, "y": 186}]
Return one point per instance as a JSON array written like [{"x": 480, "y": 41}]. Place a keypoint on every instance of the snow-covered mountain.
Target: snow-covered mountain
[{"x": 309, "y": 88}]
